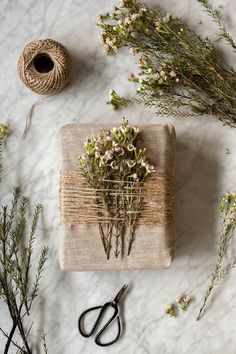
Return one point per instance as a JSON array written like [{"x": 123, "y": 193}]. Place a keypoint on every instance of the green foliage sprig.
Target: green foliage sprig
[
  {"x": 228, "y": 231},
  {"x": 179, "y": 71},
  {"x": 17, "y": 288},
  {"x": 115, "y": 168}
]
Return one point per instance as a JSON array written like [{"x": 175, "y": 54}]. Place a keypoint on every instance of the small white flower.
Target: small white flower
[
  {"x": 136, "y": 130},
  {"x": 114, "y": 129},
  {"x": 130, "y": 147},
  {"x": 134, "y": 176},
  {"x": 150, "y": 168},
  {"x": 97, "y": 154},
  {"x": 84, "y": 157},
  {"x": 5, "y": 129},
  {"x": 127, "y": 21},
  {"x": 166, "y": 18},
  {"x": 172, "y": 74},
  {"x": 187, "y": 299},
  {"x": 130, "y": 163},
  {"x": 114, "y": 165},
  {"x": 121, "y": 151},
  {"x": 102, "y": 161},
  {"x": 108, "y": 156},
  {"x": 127, "y": 128},
  {"x": 143, "y": 163},
  {"x": 162, "y": 73},
  {"x": 108, "y": 138},
  {"x": 133, "y": 51},
  {"x": 156, "y": 76},
  {"x": 134, "y": 16},
  {"x": 99, "y": 18},
  {"x": 117, "y": 148},
  {"x": 168, "y": 307},
  {"x": 106, "y": 49},
  {"x": 115, "y": 48}
]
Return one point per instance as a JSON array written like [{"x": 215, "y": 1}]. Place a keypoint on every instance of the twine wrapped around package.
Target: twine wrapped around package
[{"x": 80, "y": 244}]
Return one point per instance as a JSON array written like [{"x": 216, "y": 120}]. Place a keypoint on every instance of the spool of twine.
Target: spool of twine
[{"x": 44, "y": 66}]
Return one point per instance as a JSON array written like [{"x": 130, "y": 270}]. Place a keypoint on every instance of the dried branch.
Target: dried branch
[
  {"x": 228, "y": 227},
  {"x": 16, "y": 261}
]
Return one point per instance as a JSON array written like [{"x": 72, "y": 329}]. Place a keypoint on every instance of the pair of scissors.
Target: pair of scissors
[{"x": 114, "y": 305}]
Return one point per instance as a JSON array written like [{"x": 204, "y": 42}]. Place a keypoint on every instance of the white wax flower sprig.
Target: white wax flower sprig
[
  {"x": 112, "y": 155},
  {"x": 170, "y": 310},
  {"x": 5, "y": 129},
  {"x": 183, "y": 302},
  {"x": 178, "y": 71}
]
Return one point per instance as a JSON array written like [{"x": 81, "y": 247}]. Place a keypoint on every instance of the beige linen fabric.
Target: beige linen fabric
[{"x": 80, "y": 246}]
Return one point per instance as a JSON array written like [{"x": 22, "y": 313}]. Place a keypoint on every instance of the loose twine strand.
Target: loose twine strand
[
  {"x": 29, "y": 116},
  {"x": 77, "y": 200}
]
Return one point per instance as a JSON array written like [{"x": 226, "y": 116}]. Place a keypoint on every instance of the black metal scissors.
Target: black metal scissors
[{"x": 114, "y": 305}]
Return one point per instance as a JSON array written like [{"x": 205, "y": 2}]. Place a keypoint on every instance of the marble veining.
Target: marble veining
[{"x": 204, "y": 171}]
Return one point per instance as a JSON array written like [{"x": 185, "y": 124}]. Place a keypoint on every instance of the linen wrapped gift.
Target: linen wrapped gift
[{"x": 80, "y": 246}]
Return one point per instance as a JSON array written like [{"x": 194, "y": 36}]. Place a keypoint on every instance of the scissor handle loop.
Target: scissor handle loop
[
  {"x": 103, "y": 329},
  {"x": 115, "y": 315},
  {"x": 81, "y": 318}
]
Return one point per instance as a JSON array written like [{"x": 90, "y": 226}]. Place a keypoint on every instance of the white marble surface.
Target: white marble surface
[{"x": 204, "y": 172}]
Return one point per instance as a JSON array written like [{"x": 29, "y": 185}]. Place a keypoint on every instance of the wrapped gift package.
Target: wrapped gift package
[{"x": 80, "y": 246}]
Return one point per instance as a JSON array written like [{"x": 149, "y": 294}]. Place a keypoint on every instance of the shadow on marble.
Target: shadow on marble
[
  {"x": 197, "y": 189},
  {"x": 85, "y": 66}
]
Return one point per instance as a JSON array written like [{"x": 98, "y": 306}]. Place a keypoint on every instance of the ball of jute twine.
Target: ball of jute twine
[{"x": 44, "y": 66}]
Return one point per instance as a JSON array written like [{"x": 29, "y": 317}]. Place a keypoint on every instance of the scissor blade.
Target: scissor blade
[{"x": 120, "y": 293}]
